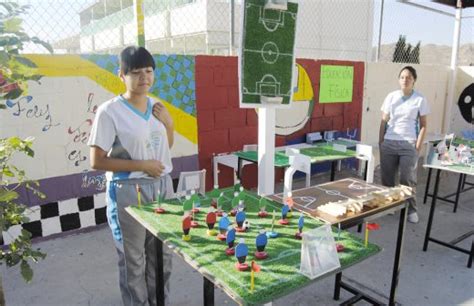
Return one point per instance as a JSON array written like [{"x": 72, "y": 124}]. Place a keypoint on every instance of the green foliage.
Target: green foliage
[
  {"x": 20, "y": 250},
  {"x": 15, "y": 70},
  {"x": 404, "y": 53}
]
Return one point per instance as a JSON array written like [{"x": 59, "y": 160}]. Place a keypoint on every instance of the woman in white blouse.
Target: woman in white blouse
[{"x": 402, "y": 130}]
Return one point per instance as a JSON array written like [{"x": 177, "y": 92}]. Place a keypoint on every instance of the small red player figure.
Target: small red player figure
[
  {"x": 230, "y": 241},
  {"x": 262, "y": 204},
  {"x": 159, "y": 209},
  {"x": 210, "y": 221},
  {"x": 186, "y": 227}
]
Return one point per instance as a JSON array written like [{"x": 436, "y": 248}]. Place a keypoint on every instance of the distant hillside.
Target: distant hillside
[{"x": 434, "y": 54}]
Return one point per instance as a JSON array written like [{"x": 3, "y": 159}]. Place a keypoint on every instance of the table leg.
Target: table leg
[
  {"x": 208, "y": 287},
  {"x": 159, "y": 277},
  {"x": 427, "y": 185},
  {"x": 239, "y": 168},
  {"x": 366, "y": 171},
  {"x": 461, "y": 176},
  {"x": 398, "y": 254},
  {"x": 337, "y": 286},
  {"x": 432, "y": 209},
  {"x": 469, "y": 261},
  {"x": 333, "y": 169}
]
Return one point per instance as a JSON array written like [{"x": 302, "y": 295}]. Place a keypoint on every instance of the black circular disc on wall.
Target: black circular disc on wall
[{"x": 466, "y": 103}]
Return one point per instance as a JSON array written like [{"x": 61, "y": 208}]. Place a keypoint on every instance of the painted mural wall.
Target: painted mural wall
[
  {"x": 224, "y": 127},
  {"x": 59, "y": 112},
  {"x": 201, "y": 94}
]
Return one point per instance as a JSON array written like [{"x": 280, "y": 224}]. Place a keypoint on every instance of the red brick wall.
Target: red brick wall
[{"x": 224, "y": 127}]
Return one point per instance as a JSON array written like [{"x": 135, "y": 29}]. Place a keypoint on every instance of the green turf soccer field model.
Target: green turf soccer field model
[
  {"x": 279, "y": 273},
  {"x": 267, "y": 53}
]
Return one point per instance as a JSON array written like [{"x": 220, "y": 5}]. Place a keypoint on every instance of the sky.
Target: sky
[{"x": 421, "y": 25}]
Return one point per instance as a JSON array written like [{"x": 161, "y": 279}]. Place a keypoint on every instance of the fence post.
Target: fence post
[
  {"x": 139, "y": 19},
  {"x": 231, "y": 26}
]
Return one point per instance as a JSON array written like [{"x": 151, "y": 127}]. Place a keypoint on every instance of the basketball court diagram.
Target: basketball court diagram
[
  {"x": 309, "y": 199},
  {"x": 267, "y": 55}
]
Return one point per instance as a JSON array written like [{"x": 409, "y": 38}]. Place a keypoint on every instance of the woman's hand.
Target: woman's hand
[
  {"x": 162, "y": 114},
  {"x": 153, "y": 168},
  {"x": 418, "y": 148}
]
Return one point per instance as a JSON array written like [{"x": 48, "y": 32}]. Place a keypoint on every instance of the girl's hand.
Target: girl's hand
[
  {"x": 162, "y": 114},
  {"x": 153, "y": 168}
]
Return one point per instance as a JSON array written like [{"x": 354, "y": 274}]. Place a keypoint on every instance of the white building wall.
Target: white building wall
[
  {"x": 464, "y": 77},
  {"x": 382, "y": 78},
  {"x": 336, "y": 29}
]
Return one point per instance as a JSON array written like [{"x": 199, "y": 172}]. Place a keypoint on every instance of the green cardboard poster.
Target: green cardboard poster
[
  {"x": 267, "y": 54},
  {"x": 336, "y": 84}
]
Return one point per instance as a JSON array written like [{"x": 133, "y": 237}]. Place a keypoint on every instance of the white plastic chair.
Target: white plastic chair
[
  {"x": 302, "y": 163},
  {"x": 298, "y": 162},
  {"x": 191, "y": 180},
  {"x": 364, "y": 152},
  {"x": 231, "y": 161}
]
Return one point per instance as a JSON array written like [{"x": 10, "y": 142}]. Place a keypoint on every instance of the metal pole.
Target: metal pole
[
  {"x": 231, "y": 26},
  {"x": 454, "y": 61},
  {"x": 377, "y": 54},
  {"x": 140, "y": 21},
  {"x": 266, "y": 150}
]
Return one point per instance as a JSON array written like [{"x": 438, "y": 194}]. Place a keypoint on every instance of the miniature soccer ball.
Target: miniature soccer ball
[{"x": 246, "y": 224}]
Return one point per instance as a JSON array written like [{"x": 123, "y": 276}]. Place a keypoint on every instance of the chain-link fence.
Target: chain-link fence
[{"x": 327, "y": 29}]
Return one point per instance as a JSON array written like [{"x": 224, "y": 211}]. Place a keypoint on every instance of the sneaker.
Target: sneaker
[{"x": 413, "y": 218}]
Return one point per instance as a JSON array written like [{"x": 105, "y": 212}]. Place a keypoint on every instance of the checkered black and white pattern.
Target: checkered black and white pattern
[{"x": 62, "y": 216}]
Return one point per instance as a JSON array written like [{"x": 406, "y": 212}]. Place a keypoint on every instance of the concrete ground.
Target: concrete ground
[{"x": 80, "y": 269}]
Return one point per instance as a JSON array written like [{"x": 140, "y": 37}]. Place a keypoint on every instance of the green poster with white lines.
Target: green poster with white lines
[{"x": 267, "y": 55}]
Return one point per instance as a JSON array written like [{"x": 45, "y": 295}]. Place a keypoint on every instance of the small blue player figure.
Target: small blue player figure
[
  {"x": 284, "y": 214},
  {"x": 299, "y": 234},
  {"x": 261, "y": 243},
  {"x": 241, "y": 252},
  {"x": 240, "y": 219},
  {"x": 230, "y": 241},
  {"x": 223, "y": 225}
]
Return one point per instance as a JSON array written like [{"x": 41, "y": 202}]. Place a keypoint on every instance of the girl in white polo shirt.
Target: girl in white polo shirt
[
  {"x": 134, "y": 148},
  {"x": 402, "y": 130}
]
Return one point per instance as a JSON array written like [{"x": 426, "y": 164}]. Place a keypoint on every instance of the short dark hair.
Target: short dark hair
[
  {"x": 411, "y": 69},
  {"x": 135, "y": 58}
]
